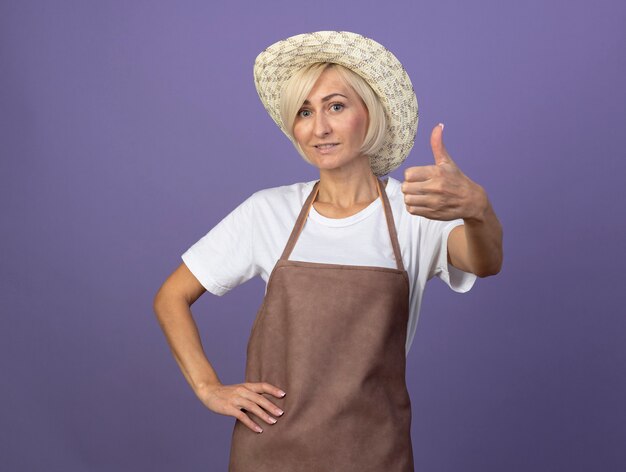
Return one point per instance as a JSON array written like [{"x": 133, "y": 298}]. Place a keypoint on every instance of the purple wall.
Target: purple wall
[{"x": 128, "y": 129}]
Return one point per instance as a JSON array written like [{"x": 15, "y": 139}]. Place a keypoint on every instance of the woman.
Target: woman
[{"x": 325, "y": 374}]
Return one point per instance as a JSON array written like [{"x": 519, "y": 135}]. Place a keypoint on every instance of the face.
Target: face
[{"x": 331, "y": 124}]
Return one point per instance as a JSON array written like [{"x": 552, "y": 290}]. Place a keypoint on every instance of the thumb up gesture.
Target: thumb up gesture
[{"x": 441, "y": 191}]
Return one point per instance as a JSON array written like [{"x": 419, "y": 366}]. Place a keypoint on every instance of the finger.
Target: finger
[
  {"x": 241, "y": 416},
  {"x": 418, "y": 173},
  {"x": 268, "y": 405},
  {"x": 264, "y": 387},
  {"x": 429, "y": 204},
  {"x": 432, "y": 213},
  {"x": 425, "y": 211},
  {"x": 415, "y": 188},
  {"x": 264, "y": 402},
  {"x": 436, "y": 144},
  {"x": 252, "y": 407},
  {"x": 422, "y": 211},
  {"x": 426, "y": 201}
]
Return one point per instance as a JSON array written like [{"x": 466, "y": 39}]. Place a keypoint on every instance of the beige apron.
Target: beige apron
[{"x": 333, "y": 337}]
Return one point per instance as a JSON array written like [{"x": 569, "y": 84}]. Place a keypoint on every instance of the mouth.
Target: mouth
[{"x": 326, "y": 146}]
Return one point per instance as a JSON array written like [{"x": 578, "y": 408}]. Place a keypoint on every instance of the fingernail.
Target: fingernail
[
  {"x": 258, "y": 429},
  {"x": 281, "y": 393},
  {"x": 272, "y": 420},
  {"x": 441, "y": 124},
  {"x": 279, "y": 412}
]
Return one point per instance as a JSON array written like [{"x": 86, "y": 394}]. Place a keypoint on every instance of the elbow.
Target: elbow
[
  {"x": 489, "y": 270},
  {"x": 160, "y": 301},
  {"x": 166, "y": 299},
  {"x": 163, "y": 307},
  {"x": 157, "y": 303},
  {"x": 486, "y": 273}
]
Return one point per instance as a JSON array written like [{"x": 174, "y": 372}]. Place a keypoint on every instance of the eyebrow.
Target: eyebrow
[{"x": 326, "y": 98}]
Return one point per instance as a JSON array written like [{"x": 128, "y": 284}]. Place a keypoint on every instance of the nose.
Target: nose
[{"x": 322, "y": 125}]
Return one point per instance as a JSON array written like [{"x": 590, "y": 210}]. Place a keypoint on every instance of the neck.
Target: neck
[{"x": 346, "y": 188}]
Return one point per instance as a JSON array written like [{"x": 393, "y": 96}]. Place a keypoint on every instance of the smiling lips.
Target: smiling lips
[{"x": 324, "y": 148}]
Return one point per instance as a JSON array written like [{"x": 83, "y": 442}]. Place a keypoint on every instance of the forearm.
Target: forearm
[
  {"x": 176, "y": 321},
  {"x": 483, "y": 236}
]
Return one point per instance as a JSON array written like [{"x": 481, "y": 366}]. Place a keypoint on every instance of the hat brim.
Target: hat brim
[{"x": 372, "y": 61}]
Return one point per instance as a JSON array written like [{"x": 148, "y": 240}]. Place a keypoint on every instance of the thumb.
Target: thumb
[{"x": 436, "y": 143}]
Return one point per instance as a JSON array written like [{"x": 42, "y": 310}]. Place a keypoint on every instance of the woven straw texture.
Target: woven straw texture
[{"x": 372, "y": 61}]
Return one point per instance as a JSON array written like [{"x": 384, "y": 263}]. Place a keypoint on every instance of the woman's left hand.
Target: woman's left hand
[{"x": 441, "y": 191}]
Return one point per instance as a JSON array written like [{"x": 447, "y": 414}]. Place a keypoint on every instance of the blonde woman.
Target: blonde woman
[{"x": 345, "y": 258}]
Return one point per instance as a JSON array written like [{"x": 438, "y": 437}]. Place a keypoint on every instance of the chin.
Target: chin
[{"x": 350, "y": 164}]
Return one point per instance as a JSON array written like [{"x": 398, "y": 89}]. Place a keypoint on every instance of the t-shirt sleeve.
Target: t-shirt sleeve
[
  {"x": 224, "y": 257},
  {"x": 437, "y": 233}
]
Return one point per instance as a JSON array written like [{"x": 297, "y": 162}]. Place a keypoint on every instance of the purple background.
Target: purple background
[{"x": 129, "y": 129}]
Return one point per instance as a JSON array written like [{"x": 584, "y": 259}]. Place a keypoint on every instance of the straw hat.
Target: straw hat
[{"x": 372, "y": 61}]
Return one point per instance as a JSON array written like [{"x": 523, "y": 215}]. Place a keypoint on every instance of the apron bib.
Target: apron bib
[{"x": 333, "y": 337}]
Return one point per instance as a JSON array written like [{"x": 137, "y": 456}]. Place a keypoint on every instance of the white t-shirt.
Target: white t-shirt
[{"x": 250, "y": 240}]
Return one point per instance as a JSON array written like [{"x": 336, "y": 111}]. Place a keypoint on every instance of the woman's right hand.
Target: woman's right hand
[{"x": 231, "y": 400}]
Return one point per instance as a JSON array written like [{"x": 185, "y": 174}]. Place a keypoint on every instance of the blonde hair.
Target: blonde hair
[{"x": 297, "y": 88}]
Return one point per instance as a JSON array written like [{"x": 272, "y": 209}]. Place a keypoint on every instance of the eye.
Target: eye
[
  {"x": 337, "y": 106},
  {"x": 304, "y": 113}
]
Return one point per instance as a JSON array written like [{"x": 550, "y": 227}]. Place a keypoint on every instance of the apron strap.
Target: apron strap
[
  {"x": 306, "y": 207},
  {"x": 297, "y": 228},
  {"x": 391, "y": 225}
]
